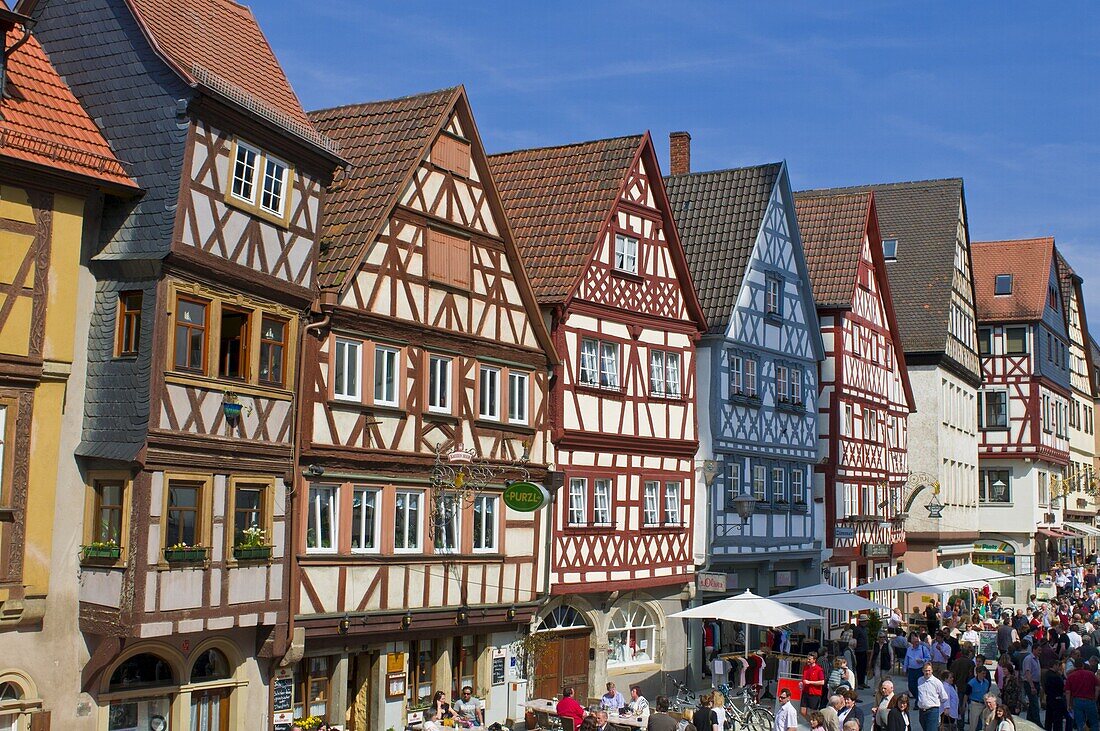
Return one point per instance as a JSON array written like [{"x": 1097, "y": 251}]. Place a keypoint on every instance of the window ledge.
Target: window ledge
[
  {"x": 440, "y": 417},
  {"x": 628, "y": 276},
  {"x": 634, "y": 668},
  {"x": 256, "y": 211},
  {"x": 614, "y": 393},
  {"x": 664, "y": 528},
  {"x": 677, "y": 398},
  {"x": 505, "y": 426},
  {"x": 791, "y": 406},
  {"x": 775, "y": 318},
  {"x": 994, "y": 505},
  {"x": 591, "y": 528},
  {"x": 746, "y": 400}
]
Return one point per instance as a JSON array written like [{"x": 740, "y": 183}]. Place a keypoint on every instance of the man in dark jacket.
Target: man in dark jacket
[{"x": 862, "y": 650}]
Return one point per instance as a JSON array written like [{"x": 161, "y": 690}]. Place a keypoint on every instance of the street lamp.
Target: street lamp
[{"x": 745, "y": 505}]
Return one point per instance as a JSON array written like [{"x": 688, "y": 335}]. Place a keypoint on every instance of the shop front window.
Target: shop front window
[
  {"x": 418, "y": 688},
  {"x": 140, "y": 672},
  {"x": 630, "y": 637},
  {"x": 311, "y": 687},
  {"x": 139, "y": 714},
  {"x": 464, "y": 672},
  {"x": 210, "y": 710}
]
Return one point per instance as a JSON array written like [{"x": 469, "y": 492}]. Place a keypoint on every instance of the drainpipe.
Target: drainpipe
[
  {"x": 292, "y": 585},
  {"x": 5, "y": 53}
]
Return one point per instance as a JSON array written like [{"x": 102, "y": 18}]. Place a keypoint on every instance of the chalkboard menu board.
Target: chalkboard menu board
[
  {"x": 283, "y": 706},
  {"x": 987, "y": 645},
  {"x": 498, "y": 670}
]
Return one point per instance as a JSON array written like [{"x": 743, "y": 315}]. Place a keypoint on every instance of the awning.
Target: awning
[
  {"x": 1054, "y": 532},
  {"x": 1082, "y": 528}
]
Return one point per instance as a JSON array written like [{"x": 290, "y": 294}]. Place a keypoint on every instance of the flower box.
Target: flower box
[
  {"x": 194, "y": 554},
  {"x": 100, "y": 553},
  {"x": 251, "y": 553}
]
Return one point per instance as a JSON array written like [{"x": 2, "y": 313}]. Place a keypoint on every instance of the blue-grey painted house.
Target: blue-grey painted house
[{"x": 757, "y": 417}]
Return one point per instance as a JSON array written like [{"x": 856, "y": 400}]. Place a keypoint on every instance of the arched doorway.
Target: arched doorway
[
  {"x": 563, "y": 659},
  {"x": 140, "y": 693}
]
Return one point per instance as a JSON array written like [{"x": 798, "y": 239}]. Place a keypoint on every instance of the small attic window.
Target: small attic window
[
  {"x": 451, "y": 154},
  {"x": 1003, "y": 284},
  {"x": 890, "y": 249}
]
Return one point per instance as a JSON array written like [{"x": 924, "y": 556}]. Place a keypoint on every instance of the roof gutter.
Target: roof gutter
[{"x": 8, "y": 20}]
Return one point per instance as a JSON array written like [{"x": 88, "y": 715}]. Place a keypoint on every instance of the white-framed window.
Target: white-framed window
[
  {"x": 871, "y": 424},
  {"x": 244, "y": 172},
  {"x": 273, "y": 195},
  {"x": 733, "y": 483},
  {"x": 1044, "y": 490},
  {"x": 609, "y": 365},
  {"x": 347, "y": 369},
  {"x": 782, "y": 383},
  {"x": 664, "y": 374},
  {"x": 386, "y": 362},
  {"x": 447, "y": 521},
  {"x": 488, "y": 398},
  {"x": 737, "y": 380},
  {"x": 601, "y": 502},
  {"x": 750, "y": 376},
  {"x": 651, "y": 503},
  {"x": 578, "y": 501},
  {"x": 798, "y": 486},
  {"x": 321, "y": 523},
  {"x": 849, "y": 421},
  {"x": 365, "y": 504},
  {"x": 796, "y": 385},
  {"x": 993, "y": 409},
  {"x": 760, "y": 482},
  {"x": 518, "y": 396},
  {"x": 995, "y": 486},
  {"x": 406, "y": 521},
  {"x": 626, "y": 253},
  {"x": 485, "y": 524},
  {"x": 672, "y": 503},
  {"x": 779, "y": 484},
  {"x": 439, "y": 384},
  {"x": 773, "y": 301},
  {"x": 590, "y": 362},
  {"x": 631, "y": 636}
]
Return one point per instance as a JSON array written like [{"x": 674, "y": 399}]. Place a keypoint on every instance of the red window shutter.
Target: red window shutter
[
  {"x": 449, "y": 259},
  {"x": 451, "y": 154}
]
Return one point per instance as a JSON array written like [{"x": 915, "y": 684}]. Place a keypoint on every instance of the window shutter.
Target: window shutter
[
  {"x": 449, "y": 259},
  {"x": 451, "y": 154}
]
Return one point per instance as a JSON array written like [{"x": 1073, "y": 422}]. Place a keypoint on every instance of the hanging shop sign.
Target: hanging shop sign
[
  {"x": 876, "y": 550},
  {"x": 708, "y": 581},
  {"x": 525, "y": 497}
]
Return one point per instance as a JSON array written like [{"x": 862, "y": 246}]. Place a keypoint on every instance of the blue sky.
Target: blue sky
[{"x": 1005, "y": 95}]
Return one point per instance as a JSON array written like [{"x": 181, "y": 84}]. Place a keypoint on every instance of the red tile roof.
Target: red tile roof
[
  {"x": 219, "y": 43},
  {"x": 557, "y": 199},
  {"x": 1028, "y": 261},
  {"x": 833, "y": 228},
  {"x": 41, "y": 122},
  {"x": 382, "y": 142}
]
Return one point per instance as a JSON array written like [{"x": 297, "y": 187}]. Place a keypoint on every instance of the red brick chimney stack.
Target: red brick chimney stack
[{"x": 679, "y": 153}]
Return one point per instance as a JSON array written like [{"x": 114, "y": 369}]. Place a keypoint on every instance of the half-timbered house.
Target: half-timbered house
[
  {"x": 865, "y": 395},
  {"x": 926, "y": 246},
  {"x": 758, "y": 372},
  {"x": 1023, "y": 406},
  {"x": 1080, "y": 499},
  {"x": 189, "y": 409},
  {"x": 55, "y": 171},
  {"x": 593, "y": 223},
  {"x": 431, "y": 343}
]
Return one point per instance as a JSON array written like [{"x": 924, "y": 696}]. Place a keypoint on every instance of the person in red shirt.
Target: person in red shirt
[
  {"x": 1081, "y": 686},
  {"x": 568, "y": 707},
  {"x": 813, "y": 686}
]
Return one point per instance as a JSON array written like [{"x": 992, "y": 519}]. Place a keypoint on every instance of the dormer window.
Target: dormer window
[
  {"x": 626, "y": 254},
  {"x": 1052, "y": 297},
  {"x": 259, "y": 182},
  {"x": 890, "y": 249},
  {"x": 1003, "y": 284}
]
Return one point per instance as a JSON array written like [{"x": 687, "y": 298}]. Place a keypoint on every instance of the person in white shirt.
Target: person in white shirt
[
  {"x": 1074, "y": 637},
  {"x": 971, "y": 635},
  {"x": 786, "y": 718},
  {"x": 638, "y": 705},
  {"x": 931, "y": 699}
]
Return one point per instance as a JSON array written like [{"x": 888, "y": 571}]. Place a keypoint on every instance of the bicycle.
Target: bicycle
[
  {"x": 684, "y": 698},
  {"x": 743, "y": 711}
]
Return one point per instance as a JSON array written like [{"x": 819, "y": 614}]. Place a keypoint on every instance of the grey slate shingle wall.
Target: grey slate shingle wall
[{"x": 98, "y": 48}]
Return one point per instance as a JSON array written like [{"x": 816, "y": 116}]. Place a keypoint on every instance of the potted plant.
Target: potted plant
[
  {"x": 308, "y": 723},
  {"x": 107, "y": 550},
  {"x": 252, "y": 545},
  {"x": 184, "y": 553}
]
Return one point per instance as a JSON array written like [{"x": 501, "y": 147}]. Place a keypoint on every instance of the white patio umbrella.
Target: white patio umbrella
[
  {"x": 827, "y": 596},
  {"x": 978, "y": 573},
  {"x": 749, "y": 609},
  {"x": 950, "y": 580},
  {"x": 906, "y": 581}
]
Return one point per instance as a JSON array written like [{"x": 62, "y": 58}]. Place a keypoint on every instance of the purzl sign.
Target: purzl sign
[{"x": 525, "y": 497}]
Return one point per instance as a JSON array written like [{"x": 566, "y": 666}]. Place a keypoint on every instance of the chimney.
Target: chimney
[{"x": 679, "y": 153}]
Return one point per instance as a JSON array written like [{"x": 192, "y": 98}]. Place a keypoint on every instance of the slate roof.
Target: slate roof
[
  {"x": 923, "y": 216},
  {"x": 382, "y": 142},
  {"x": 41, "y": 122},
  {"x": 833, "y": 228},
  {"x": 1029, "y": 262},
  {"x": 557, "y": 200},
  {"x": 200, "y": 38},
  {"x": 719, "y": 215}
]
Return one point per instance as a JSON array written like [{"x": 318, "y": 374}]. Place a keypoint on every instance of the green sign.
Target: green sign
[{"x": 525, "y": 497}]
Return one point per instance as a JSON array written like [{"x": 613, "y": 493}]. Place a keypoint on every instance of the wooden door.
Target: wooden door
[{"x": 563, "y": 662}]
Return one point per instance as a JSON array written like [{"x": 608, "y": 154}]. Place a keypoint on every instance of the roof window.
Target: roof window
[
  {"x": 890, "y": 249},
  {"x": 1004, "y": 284}
]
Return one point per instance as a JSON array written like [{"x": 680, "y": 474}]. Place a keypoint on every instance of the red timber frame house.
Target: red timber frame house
[
  {"x": 428, "y": 339},
  {"x": 1023, "y": 409},
  {"x": 595, "y": 229},
  {"x": 866, "y": 397}
]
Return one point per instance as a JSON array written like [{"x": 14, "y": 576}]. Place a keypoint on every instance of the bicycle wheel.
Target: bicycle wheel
[{"x": 760, "y": 719}]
